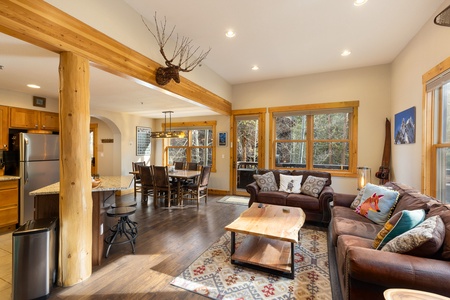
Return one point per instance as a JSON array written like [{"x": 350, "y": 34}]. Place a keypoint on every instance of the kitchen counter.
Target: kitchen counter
[
  {"x": 8, "y": 178},
  {"x": 107, "y": 183},
  {"x": 46, "y": 205}
]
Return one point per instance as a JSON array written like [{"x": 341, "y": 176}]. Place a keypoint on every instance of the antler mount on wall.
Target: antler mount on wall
[{"x": 183, "y": 54}]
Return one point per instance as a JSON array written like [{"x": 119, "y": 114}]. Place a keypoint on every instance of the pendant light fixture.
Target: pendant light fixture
[{"x": 167, "y": 134}]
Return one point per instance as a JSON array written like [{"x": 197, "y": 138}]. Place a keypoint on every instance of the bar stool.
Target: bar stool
[{"x": 125, "y": 227}]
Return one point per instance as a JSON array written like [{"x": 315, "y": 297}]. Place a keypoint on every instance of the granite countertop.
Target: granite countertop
[
  {"x": 107, "y": 183},
  {"x": 9, "y": 178}
]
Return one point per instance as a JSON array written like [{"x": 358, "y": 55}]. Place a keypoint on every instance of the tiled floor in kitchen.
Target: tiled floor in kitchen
[{"x": 5, "y": 265}]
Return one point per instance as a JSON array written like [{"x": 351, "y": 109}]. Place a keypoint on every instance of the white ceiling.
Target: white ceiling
[{"x": 284, "y": 38}]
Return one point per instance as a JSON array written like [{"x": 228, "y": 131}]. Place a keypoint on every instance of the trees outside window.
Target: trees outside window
[
  {"x": 197, "y": 145},
  {"x": 315, "y": 137}
]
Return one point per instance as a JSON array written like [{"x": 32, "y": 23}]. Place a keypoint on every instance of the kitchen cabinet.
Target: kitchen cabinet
[
  {"x": 22, "y": 118},
  {"x": 9, "y": 202},
  {"x": 49, "y": 121},
  {"x": 4, "y": 124}
]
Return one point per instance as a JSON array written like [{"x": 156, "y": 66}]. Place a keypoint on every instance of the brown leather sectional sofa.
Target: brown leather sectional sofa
[
  {"x": 358, "y": 271},
  {"x": 316, "y": 208}
]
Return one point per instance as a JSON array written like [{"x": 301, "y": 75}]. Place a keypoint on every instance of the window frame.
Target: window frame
[
  {"x": 191, "y": 126},
  {"x": 309, "y": 110},
  {"x": 430, "y": 115}
]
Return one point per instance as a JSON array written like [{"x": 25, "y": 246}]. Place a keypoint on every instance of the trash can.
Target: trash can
[{"x": 34, "y": 259}]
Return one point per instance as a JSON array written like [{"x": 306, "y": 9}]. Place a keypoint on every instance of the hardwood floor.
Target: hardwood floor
[{"x": 168, "y": 242}]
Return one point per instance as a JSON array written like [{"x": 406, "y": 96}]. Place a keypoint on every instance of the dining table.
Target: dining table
[{"x": 179, "y": 177}]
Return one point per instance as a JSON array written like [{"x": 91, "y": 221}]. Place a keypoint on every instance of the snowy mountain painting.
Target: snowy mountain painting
[{"x": 405, "y": 127}]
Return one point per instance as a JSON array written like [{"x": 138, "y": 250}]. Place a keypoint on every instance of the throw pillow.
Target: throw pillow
[
  {"x": 423, "y": 240},
  {"x": 357, "y": 200},
  {"x": 266, "y": 182},
  {"x": 290, "y": 184},
  {"x": 399, "y": 223},
  {"x": 313, "y": 186},
  {"x": 387, "y": 199}
]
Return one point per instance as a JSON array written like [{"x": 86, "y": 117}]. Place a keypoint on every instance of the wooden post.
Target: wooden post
[{"x": 75, "y": 202}]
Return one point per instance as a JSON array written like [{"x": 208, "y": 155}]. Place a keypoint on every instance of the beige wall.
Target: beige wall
[
  {"x": 428, "y": 48},
  {"x": 370, "y": 86}
]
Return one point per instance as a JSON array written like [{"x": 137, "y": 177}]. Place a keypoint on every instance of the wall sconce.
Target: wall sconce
[{"x": 363, "y": 176}]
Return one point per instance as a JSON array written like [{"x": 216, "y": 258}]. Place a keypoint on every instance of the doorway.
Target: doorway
[{"x": 248, "y": 151}]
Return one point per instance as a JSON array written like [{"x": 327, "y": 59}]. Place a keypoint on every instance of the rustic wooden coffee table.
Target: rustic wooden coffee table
[{"x": 270, "y": 230}]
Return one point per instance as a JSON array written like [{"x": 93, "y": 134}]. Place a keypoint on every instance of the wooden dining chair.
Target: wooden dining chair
[
  {"x": 179, "y": 165},
  {"x": 199, "y": 188},
  {"x": 162, "y": 187},
  {"x": 146, "y": 175},
  {"x": 192, "y": 166},
  {"x": 137, "y": 178}
]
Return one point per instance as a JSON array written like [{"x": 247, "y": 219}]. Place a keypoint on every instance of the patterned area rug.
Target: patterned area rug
[
  {"x": 212, "y": 274},
  {"x": 235, "y": 200}
]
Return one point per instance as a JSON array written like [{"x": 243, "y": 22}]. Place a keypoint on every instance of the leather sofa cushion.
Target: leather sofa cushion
[
  {"x": 277, "y": 198},
  {"x": 412, "y": 201},
  {"x": 348, "y": 213},
  {"x": 345, "y": 226},
  {"x": 344, "y": 242},
  {"x": 444, "y": 212},
  {"x": 304, "y": 201}
]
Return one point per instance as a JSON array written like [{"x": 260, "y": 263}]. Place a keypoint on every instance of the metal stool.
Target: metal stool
[{"x": 125, "y": 227}]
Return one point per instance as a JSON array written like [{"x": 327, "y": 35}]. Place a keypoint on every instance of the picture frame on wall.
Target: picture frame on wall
[
  {"x": 223, "y": 139},
  {"x": 405, "y": 127},
  {"x": 39, "y": 101},
  {"x": 143, "y": 140}
]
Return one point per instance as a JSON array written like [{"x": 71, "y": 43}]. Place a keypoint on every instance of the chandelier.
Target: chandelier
[
  {"x": 167, "y": 134},
  {"x": 443, "y": 18}
]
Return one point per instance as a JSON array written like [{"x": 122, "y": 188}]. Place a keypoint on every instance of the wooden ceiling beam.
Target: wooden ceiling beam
[{"x": 41, "y": 24}]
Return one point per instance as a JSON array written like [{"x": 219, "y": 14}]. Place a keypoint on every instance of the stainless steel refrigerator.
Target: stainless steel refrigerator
[{"x": 39, "y": 167}]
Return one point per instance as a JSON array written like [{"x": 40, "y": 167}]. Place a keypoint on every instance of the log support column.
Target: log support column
[{"x": 75, "y": 203}]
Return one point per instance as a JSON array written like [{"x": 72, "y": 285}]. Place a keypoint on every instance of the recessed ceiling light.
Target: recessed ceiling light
[
  {"x": 230, "y": 33},
  {"x": 359, "y": 2},
  {"x": 346, "y": 53},
  {"x": 255, "y": 68},
  {"x": 33, "y": 86}
]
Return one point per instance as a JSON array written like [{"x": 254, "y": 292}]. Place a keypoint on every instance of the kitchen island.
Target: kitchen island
[{"x": 46, "y": 205}]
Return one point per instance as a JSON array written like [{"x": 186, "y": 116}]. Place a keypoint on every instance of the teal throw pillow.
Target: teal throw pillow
[
  {"x": 400, "y": 223},
  {"x": 387, "y": 199}
]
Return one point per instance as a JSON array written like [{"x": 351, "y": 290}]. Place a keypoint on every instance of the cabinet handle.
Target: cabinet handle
[
  {"x": 43, "y": 126},
  {"x": 36, "y": 126}
]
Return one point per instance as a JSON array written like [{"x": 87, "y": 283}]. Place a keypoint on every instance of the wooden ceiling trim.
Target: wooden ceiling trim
[{"x": 41, "y": 24}]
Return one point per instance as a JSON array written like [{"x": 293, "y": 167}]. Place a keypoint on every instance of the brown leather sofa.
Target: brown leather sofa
[
  {"x": 358, "y": 271},
  {"x": 316, "y": 209}
]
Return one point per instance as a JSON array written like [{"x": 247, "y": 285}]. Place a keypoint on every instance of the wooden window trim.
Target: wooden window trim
[{"x": 353, "y": 134}]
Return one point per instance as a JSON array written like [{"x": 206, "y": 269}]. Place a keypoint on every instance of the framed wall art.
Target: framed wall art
[
  {"x": 143, "y": 140},
  {"x": 223, "y": 139},
  {"x": 405, "y": 127},
  {"x": 39, "y": 101}
]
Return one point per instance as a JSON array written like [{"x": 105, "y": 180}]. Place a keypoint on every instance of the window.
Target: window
[
  {"x": 197, "y": 145},
  {"x": 437, "y": 134},
  {"x": 318, "y": 137}
]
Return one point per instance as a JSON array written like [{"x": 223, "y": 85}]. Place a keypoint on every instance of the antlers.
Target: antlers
[{"x": 182, "y": 51}]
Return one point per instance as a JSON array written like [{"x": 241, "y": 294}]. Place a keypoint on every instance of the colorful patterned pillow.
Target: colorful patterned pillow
[
  {"x": 385, "y": 203},
  {"x": 357, "y": 200},
  {"x": 290, "y": 184},
  {"x": 313, "y": 186},
  {"x": 399, "y": 223},
  {"x": 423, "y": 240},
  {"x": 266, "y": 182}
]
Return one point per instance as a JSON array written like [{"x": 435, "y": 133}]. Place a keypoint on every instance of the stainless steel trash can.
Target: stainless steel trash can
[{"x": 34, "y": 259}]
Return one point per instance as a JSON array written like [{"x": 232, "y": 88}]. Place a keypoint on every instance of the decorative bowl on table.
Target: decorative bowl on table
[{"x": 95, "y": 183}]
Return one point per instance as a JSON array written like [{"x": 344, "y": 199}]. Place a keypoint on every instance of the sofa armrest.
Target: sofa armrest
[
  {"x": 391, "y": 270},
  {"x": 325, "y": 197},
  {"x": 253, "y": 190},
  {"x": 343, "y": 199}
]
